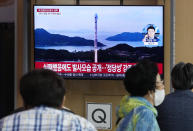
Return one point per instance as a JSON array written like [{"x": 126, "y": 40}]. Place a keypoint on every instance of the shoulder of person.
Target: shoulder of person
[
  {"x": 85, "y": 124},
  {"x": 145, "y": 111}
]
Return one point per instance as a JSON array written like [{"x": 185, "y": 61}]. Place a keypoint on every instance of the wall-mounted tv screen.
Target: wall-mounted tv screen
[{"x": 97, "y": 42}]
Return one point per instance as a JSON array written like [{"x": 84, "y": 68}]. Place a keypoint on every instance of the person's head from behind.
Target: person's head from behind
[
  {"x": 151, "y": 32},
  {"x": 182, "y": 76},
  {"x": 42, "y": 87},
  {"x": 141, "y": 78}
]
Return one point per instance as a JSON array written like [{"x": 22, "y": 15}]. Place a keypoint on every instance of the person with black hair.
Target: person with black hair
[
  {"x": 176, "y": 112},
  {"x": 150, "y": 36},
  {"x": 43, "y": 94},
  {"x": 136, "y": 112}
]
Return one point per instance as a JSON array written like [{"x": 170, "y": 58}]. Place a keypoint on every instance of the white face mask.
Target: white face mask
[{"x": 159, "y": 96}]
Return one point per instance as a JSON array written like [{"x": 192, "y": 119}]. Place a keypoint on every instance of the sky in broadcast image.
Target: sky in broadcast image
[{"x": 110, "y": 18}]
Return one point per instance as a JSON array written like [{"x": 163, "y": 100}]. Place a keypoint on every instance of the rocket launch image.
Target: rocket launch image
[{"x": 95, "y": 40}]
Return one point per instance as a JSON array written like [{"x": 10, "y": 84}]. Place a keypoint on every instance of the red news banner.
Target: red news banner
[
  {"x": 47, "y": 10},
  {"x": 78, "y": 67}
]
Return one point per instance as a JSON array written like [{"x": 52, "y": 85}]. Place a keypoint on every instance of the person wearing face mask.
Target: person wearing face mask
[
  {"x": 159, "y": 91},
  {"x": 176, "y": 111},
  {"x": 137, "y": 112}
]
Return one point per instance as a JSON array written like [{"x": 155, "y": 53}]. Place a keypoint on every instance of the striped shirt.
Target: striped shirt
[{"x": 45, "y": 119}]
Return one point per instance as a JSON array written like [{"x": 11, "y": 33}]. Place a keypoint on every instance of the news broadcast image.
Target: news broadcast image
[{"x": 97, "y": 42}]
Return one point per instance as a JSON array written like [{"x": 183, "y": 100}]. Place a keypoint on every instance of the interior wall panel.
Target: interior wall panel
[
  {"x": 78, "y": 89},
  {"x": 184, "y": 31}
]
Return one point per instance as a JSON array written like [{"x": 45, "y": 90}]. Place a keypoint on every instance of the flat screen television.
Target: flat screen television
[{"x": 97, "y": 42}]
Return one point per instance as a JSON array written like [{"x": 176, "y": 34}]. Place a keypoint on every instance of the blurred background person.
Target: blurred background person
[
  {"x": 136, "y": 112},
  {"x": 176, "y": 112}
]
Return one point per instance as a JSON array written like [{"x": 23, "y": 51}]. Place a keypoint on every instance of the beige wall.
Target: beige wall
[
  {"x": 80, "y": 91},
  {"x": 167, "y": 45},
  {"x": 101, "y": 91},
  {"x": 184, "y": 31}
]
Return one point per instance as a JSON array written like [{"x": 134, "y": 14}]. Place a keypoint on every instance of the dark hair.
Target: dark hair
[
  {"x": 150, "y": 27},
  {"x": 42, "y": 87},
  {"x": 182, "y": 76},
  {"x": 141, "y": 78}
]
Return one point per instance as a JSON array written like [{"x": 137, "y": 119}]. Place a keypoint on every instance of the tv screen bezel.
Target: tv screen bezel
[{"x": 97, "y": 78}]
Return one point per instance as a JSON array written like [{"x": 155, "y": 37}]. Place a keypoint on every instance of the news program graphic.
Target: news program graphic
[
  {"x": 151, "y": 35},
  {"x": 97, "y": 42}
]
